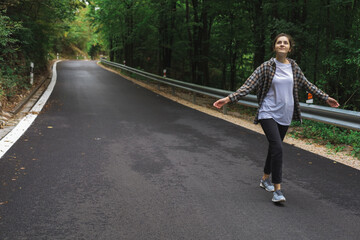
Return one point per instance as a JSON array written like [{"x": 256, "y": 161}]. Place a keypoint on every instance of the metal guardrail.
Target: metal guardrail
[{"x": 334, "y": 116}]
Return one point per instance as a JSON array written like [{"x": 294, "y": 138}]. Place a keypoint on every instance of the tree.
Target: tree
[
  {"x": 219, "y": 43},
  {"x": 29, "y": 30}
]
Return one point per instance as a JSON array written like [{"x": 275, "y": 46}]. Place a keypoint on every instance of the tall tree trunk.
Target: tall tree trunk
[
  {"x": 205, "y": 46},
  {"x": 234, "y": 57},
  {"x": 295, "y": 11},
  {"x": 259, "y": 35},
  {"x": 111, "y": 49},
  {"x": 316, "y": 56},
  {"x": 162, "y": 39},
  {"x": 167, "y": 25},
  {"x": 191, "y": 43},
  {"x": 171, "y": 36},
  {"x": 129, "y": 45},
  {"x": 223, "y": 80},
  {"x": 304, "y": 12},
  {"x": 196, "y": 43},
  {"x": 233, "y": 50}
]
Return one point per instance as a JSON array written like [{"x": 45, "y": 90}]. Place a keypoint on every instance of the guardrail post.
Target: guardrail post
[
  {"x": 164, "y": 71},
  {"x": 57, "y": 56},
  {"x": 31, "y": 73},
  {"x": 225, "y": 107}
]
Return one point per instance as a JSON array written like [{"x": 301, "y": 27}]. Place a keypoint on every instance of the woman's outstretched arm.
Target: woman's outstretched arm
[
  {"x": 332, "y": 102},
  {"x": 221, "y": 102}
]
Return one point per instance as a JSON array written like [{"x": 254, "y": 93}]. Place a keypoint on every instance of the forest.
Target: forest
[
  {"x": 208, "y": 42},
  {"x": 35, "y": 31}
]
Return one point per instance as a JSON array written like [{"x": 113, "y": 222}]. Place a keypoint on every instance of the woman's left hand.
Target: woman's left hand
[{"x": 332, "y": 102}]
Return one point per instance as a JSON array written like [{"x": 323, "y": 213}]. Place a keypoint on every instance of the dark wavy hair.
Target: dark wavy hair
[{"x": 291, "y": 40}]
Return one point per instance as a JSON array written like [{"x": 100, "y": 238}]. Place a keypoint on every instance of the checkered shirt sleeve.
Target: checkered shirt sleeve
[
  {"x": 311, "y": 88},
  {"x": 250, "y": 84}
]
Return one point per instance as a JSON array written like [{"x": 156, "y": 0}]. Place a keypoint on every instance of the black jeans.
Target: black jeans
[{"x": 275, "y": 134}]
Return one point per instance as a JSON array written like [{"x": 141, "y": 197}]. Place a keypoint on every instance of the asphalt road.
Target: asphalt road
[{"x": 107, "y": 159}]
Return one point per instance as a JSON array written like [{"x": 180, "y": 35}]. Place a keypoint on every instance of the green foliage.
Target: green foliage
[
  {"x": 219, "y": 43},
  {"x": 215, "y": 43},
  {"x": 334, "y": 137},
  {"x": 11, "y": 81},
  {"x": 7, "y": 28},
  {"x": 32, "y": 31},
  {"x": 9, "y": 75},
  {"x": 94, "y": 50}
]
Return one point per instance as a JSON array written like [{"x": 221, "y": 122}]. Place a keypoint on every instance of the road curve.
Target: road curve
[{"x": 107, "y": 159}]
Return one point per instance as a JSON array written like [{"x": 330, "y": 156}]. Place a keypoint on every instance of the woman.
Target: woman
[{"x": 277, "y": 82}]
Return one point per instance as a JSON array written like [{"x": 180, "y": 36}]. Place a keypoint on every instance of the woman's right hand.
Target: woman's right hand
[{"x": 221, "y": 102}]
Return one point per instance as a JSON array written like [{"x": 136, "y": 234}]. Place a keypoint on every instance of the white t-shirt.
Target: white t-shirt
[{"x": 279, "y": 101}]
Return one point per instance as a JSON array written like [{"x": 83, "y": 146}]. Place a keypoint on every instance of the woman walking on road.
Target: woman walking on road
[{"x": 277, "y": 82}]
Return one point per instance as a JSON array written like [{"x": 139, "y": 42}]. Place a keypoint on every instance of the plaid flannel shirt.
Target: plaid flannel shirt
[{"x": 262, "y": 78}]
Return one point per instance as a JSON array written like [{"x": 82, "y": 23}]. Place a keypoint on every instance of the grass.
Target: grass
[{"x": 333, "y": 137}]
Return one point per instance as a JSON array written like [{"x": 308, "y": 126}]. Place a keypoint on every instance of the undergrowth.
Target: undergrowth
[{"x": 333, "y": 137}]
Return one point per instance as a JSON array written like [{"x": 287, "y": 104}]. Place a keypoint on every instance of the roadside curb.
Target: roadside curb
[
  {"x": 11, "y": 137},
  {"x": 32, "y": 93}
]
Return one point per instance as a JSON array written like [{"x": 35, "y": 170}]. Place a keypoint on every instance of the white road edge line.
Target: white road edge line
[{"x": 10, "y": 139}]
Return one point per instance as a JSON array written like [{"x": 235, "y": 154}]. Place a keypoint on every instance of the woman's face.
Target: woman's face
[{"x": 282, "y": 46}]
